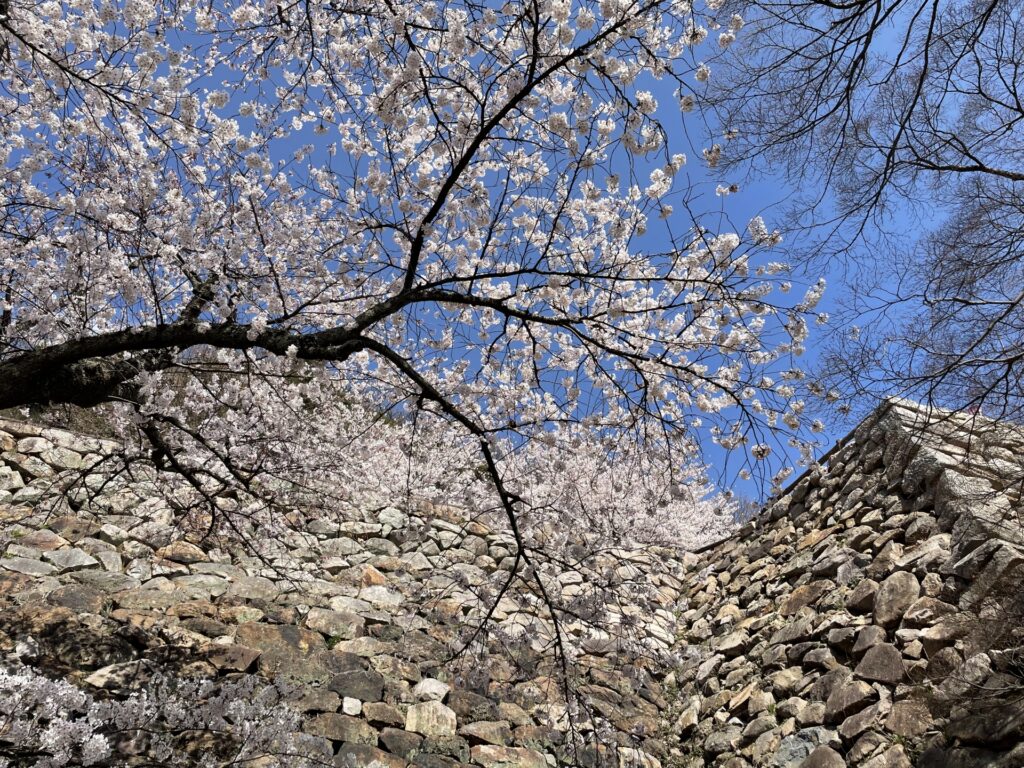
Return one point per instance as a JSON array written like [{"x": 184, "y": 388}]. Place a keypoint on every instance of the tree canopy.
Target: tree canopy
[
  {"x": 898, "y": 125},
  {"x": 239, "y": 225}
]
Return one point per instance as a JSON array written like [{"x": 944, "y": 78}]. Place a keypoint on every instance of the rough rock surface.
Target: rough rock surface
[
  {"x": 879, "y": 605},
  {"x": 868, "y": 617}
]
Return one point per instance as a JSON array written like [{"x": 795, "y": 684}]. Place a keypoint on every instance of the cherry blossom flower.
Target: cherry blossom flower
[{"x": 255, "y": 232}]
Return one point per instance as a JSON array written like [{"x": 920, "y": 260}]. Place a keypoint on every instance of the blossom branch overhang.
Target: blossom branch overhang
[
  {"x": 263, "y": 241},
  {"x": 55, "y": 374},
  {"x": 533, "y": 79}
]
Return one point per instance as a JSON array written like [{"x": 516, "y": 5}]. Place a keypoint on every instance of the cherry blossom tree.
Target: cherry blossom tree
[
  {"x": 311, "y": 257},
  {"x": 244, "y": 228}
]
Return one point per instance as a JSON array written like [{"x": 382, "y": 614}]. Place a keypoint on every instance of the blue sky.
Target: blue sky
[
  {"x": 687, "y": 133},
  {"x": 762, "y": 194}
]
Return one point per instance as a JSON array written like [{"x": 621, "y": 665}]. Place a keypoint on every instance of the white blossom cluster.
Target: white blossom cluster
[
  {"x": 342, "y": 459},
  {"x": 453, "y": 206},
  {"x": 47, "y": 723}
]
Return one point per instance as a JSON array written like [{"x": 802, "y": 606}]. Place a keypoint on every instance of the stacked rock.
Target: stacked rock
[
  {"x": 370, "y": 624},
  {"x": 868, "y": 617}
]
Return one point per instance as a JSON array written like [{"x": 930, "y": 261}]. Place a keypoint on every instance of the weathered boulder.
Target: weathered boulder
[
  {"x": 362, "y": 684},
  {"x": 431, "y": 718},
  {"x": 894, "y": 597},
  {"x": 882, "y": 663},
  {"x": 847, "y": 698},
  {"x": 491, "y": 756},
  {"x": 339, "y": 727}
]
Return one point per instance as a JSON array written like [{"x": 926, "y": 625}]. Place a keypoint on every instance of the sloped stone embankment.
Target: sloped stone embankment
[
  {"x": 872, "y": 615},
  {"x": 105, "y": 582}
]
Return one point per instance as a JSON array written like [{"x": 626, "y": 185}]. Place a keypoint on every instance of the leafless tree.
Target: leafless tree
[{"x": 900, "y": 123}]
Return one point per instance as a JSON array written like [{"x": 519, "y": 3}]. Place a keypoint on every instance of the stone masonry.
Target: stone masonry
[{"x": 871, "y": 616}]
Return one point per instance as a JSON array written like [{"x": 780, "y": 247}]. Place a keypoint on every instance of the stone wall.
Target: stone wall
[
  {"x": 104, "y": 582},
  {"x": 869, "y": 617}
]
